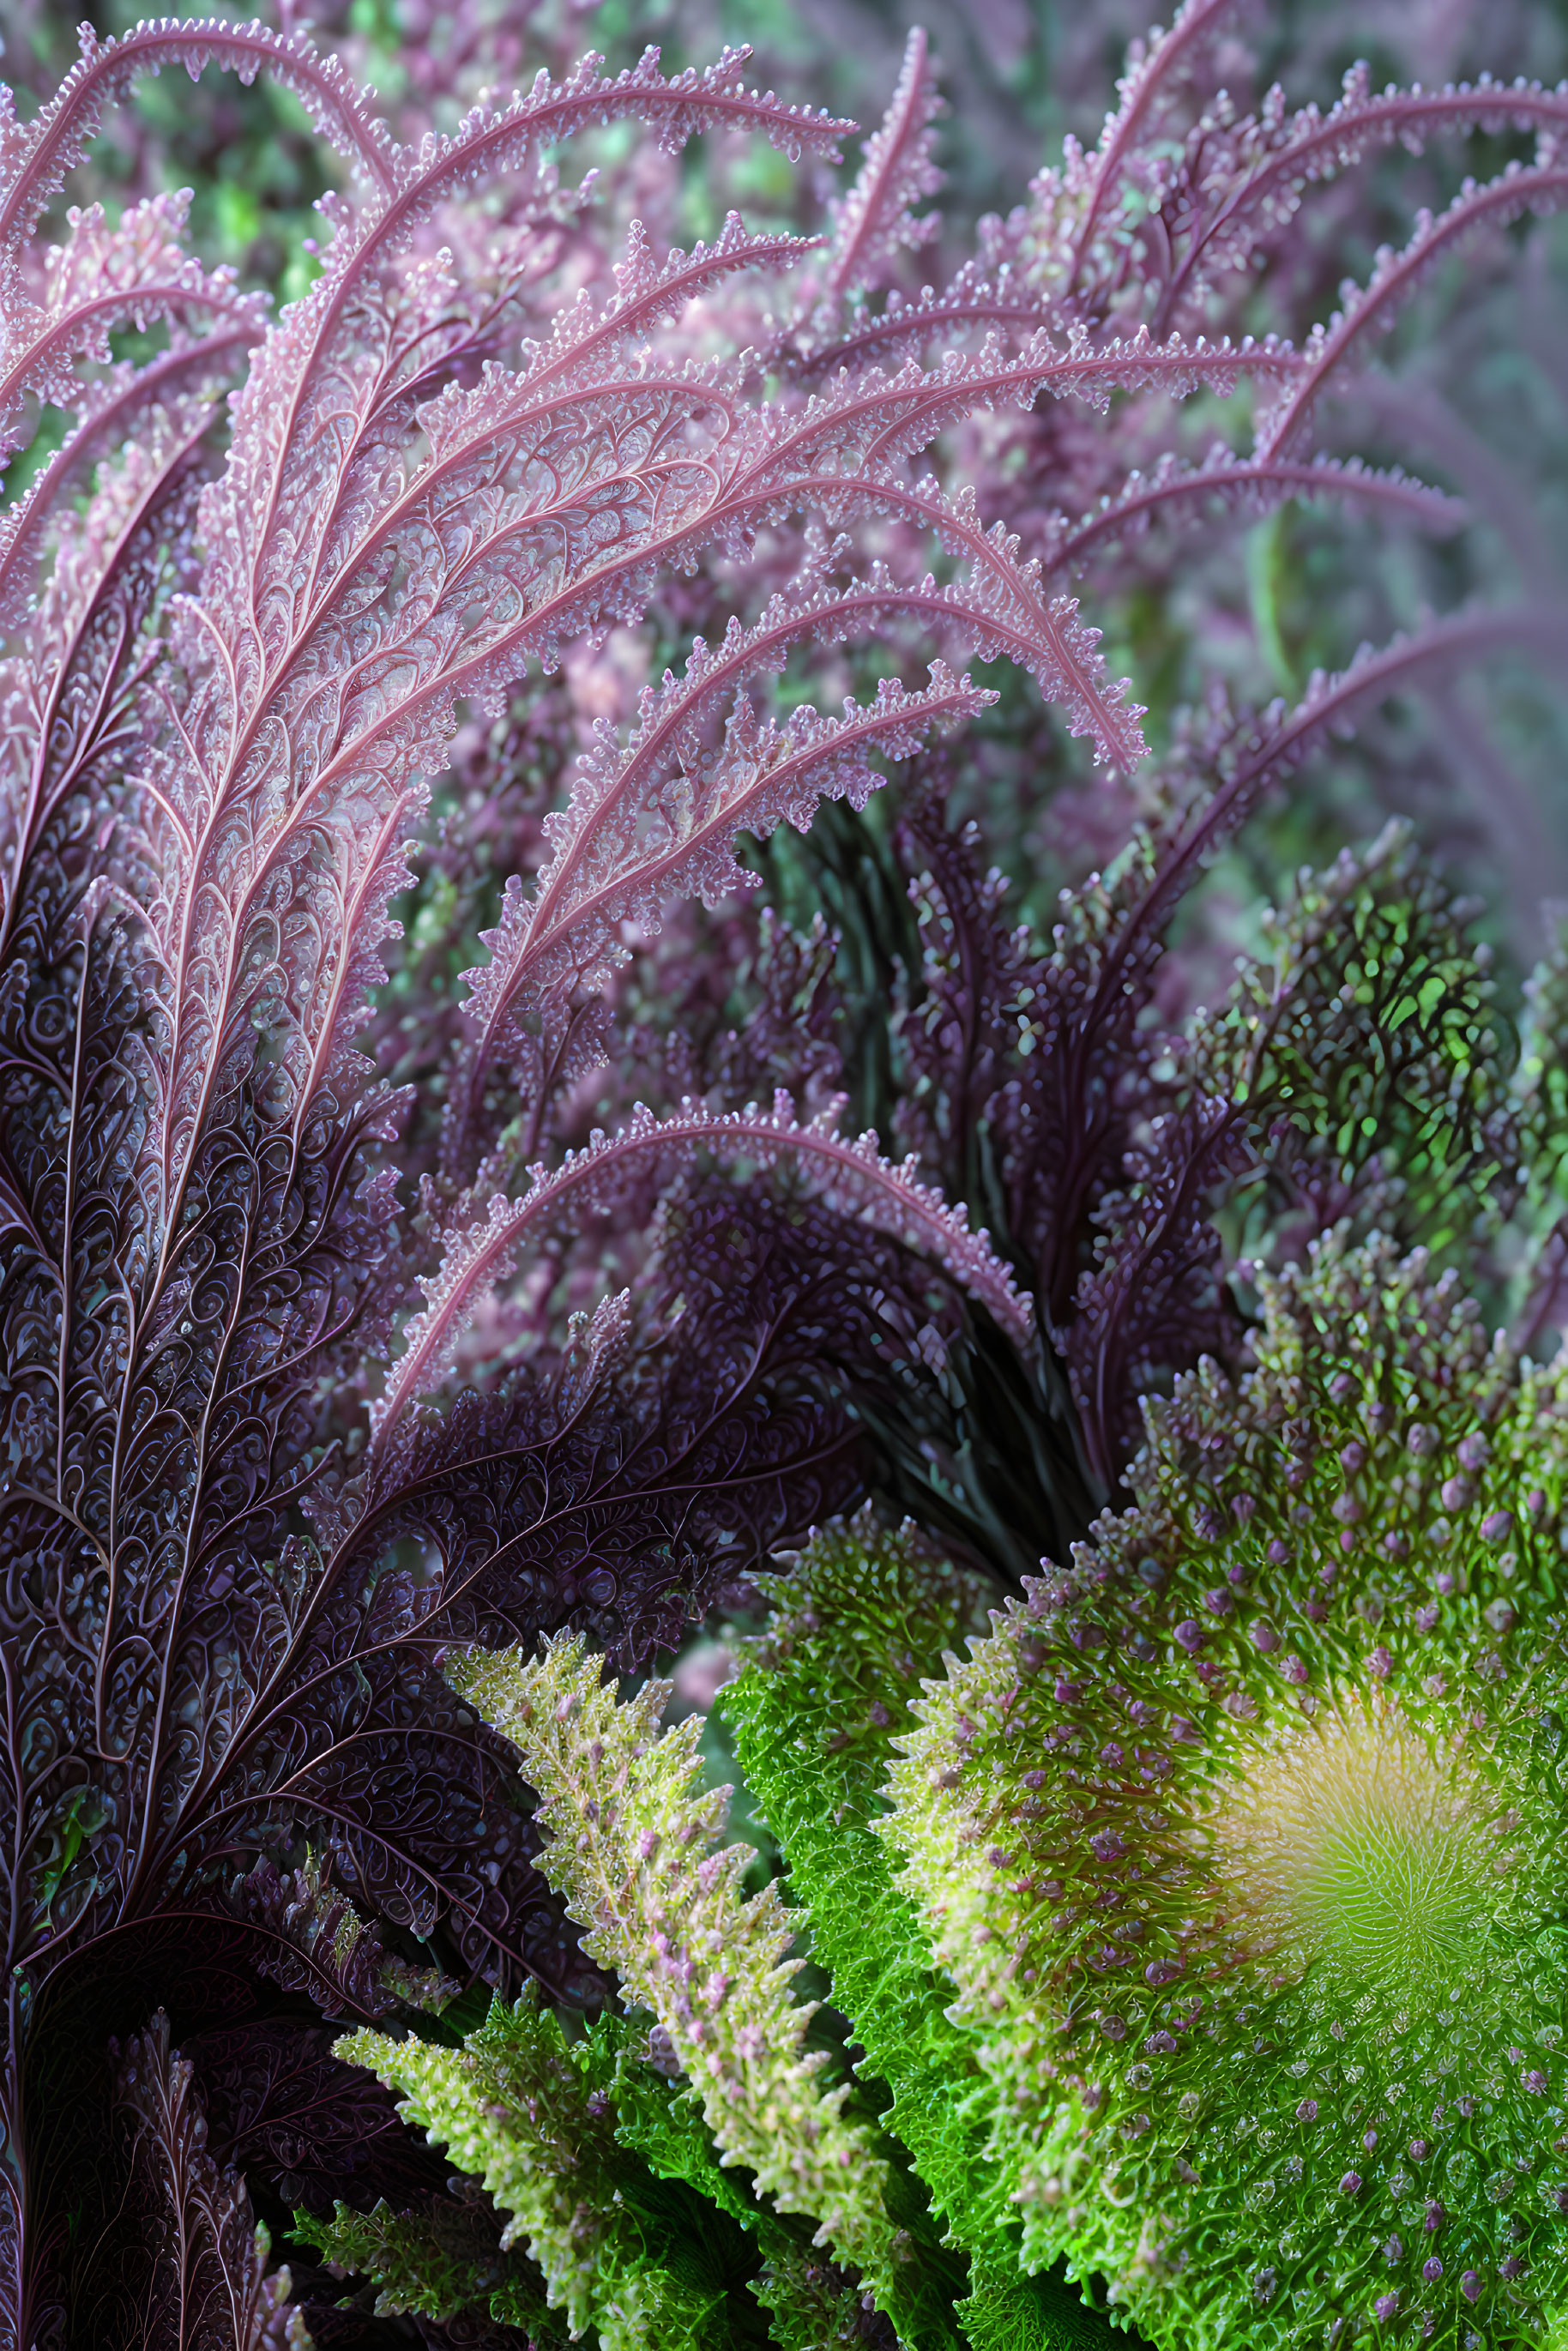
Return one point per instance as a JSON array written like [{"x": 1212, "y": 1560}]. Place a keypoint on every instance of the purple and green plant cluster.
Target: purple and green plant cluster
[{"x": 624, "y": 1050}]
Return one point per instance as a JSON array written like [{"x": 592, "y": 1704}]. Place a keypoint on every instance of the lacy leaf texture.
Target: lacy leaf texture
[{"x": 456, "y": 1240}]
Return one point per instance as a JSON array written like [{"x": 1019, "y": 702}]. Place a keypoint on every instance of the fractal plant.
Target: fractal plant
[{"x": 552, "y": 1129}]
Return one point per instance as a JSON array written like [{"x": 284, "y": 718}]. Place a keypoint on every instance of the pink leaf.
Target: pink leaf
[
  {"x": 1252, "y": 487},
  {"x": 1396, "y": 277},
  {"x": 853, "y": 1176},
  {"x": 36, "y": 156},
  {"x": 101, "y": 278},
  {"x": 874, "y": 222}
]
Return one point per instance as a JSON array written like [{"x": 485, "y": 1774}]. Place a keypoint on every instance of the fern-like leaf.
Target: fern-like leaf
[{"x": 635, "y": 1853}]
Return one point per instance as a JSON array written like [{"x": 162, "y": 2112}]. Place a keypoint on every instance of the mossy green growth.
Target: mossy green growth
[
  {"x": 1245, "y": 1843},
  {"x": 608, "y": 2230},
  {"x": 443, "y": 2263},
  {"x": 856, "y": 1619},
  {"x": 1367, "y": 1045},
  {"x": 862, "y": 1614}
]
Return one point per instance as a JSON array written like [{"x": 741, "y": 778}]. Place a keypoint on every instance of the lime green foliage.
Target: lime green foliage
[
  {"x": 442, "y": 2264},
  {"x": 809, "y": 2306},
  {"x": 514, "y": 2109},
  {"x": 860, "y": 1617},
  {"x": 645, "y": 2260},
  {"x": 1243, "y": 1843},
  {"x": 635, "y": 1853},
  {"x": 1007, "y": 2313},
  {"x": 605, "y": 2171},
  {"x": 662, "y": 2124}
]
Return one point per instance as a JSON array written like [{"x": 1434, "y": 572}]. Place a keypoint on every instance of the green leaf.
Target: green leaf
[{"x": 861, "y": 1618}]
